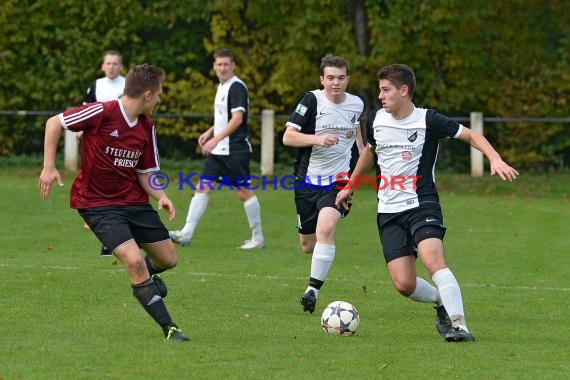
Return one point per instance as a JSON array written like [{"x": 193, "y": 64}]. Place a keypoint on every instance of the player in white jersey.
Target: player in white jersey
[
  {"x": 325, "y": 126},
  {"x": 410, "y": 222},
  {"x": 111, "y": 86},
  {"x": 227, "y": 150}
]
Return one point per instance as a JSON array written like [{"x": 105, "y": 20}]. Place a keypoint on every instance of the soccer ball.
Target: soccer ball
[{"x": 340, "y": 318}]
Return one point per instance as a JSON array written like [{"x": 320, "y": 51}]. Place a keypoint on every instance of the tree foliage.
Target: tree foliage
[{"x": 505, "y": 59}]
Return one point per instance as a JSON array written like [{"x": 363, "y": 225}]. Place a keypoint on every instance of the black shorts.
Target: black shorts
[
  {"x": 400, "y": 233},
  {"x": 309, "y": 200},
  {"x": 114, "y": 225},
  {"x": 232, "y": 169}
]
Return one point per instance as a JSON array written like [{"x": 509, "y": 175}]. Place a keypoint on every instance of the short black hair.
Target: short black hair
[{"x": 400, "y": 75}]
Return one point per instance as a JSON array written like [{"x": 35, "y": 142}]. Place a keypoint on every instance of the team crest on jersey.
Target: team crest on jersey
[
  {"x": 406, "y": 155},
  {"x": 349, "y": 134},
  {"x": 412, "y": 136},
  {"x": 301, "y": 109}
]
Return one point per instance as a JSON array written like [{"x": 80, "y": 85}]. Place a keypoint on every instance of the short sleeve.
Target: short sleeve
[
  {"x": 305, "y": 112},
  {"x": 237, "y": 97},
  {"x": 370, "y": 129},
  {"x": 440, "y": 125}
]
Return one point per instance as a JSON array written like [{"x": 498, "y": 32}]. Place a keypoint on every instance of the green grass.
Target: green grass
[{"x": 67, "y": 313}]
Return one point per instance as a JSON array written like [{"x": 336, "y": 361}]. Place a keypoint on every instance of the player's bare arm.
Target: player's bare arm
[
  {"x": 49, "y": 172},
  {"x": 233, "y": 125},
  {"x": 497, "y": 165},
  {"x": 294, "y": 138},
  {"x": 359, "y": 141},
  {"x": 163, "y": 202},
  {"x": 363, "y": 164}
]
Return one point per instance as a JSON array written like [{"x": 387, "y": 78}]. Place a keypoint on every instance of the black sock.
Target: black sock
[
  {"x": 151, "y": 266},
  {"x": 315, "y": 283},
  {"x": 150, "y": 299}
]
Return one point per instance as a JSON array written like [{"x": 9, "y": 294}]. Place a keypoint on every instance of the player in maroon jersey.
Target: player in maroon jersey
[{"x": 111, "y": 191}]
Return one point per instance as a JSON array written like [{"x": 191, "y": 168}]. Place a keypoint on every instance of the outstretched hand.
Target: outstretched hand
[
  {"x": 503, "y": 170},
  {"x": 47, "y": 177}
]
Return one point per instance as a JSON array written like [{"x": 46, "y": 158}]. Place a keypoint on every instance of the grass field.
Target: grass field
[{"x": 67, "y": 313}]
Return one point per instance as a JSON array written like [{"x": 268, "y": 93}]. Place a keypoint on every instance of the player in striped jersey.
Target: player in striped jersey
[{"x": 111, "y": 191}]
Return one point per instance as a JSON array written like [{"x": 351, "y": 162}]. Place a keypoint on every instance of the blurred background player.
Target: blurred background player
[
  {"x": 109, "y": 87},
  {"x": 325, "y": 126},
  {"x": 228, "y": 151},
  {"x": 111, "y": 191}
]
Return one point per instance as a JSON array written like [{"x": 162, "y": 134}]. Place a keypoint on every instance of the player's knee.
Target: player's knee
[
  {"x": 131, "y": 260},
  {"x": 405, "y": 288},
  {"x": 307, "y": 243},
  {"x": 169, "y": 262},
  {"x": 307, "y": 247},
  {"x": 135, "y": 266},
  {"x": 245, "y": 194}
]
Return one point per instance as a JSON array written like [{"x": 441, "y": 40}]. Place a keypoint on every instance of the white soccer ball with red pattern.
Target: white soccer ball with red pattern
[{"x": 340, "y": 318}]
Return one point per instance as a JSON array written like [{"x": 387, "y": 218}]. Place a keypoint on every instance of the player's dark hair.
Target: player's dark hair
[
  {"x": 399, "y": 74},
  {"x": 224, "y": 53},
  {"x": 330, "y": 60},
  {"x": 143, "y": 78}
]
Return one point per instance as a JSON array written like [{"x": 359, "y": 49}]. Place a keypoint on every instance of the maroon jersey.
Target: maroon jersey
[{"x": 113, "y": 150}]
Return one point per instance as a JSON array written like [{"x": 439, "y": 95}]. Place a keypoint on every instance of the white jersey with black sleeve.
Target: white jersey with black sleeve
[
  {"x": 105, "y": 89},
  {"x": 317, "y": 115},
  {"x": 231, "y": 96},
  {"x": 407, "y": 151}
]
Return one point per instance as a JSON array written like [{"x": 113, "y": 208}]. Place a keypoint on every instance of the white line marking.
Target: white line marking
[{"x": 276, "y": 277}]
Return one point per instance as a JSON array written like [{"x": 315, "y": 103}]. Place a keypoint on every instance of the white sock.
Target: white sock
[
  {"x": 450, "y": 296},
  {"x": 424, "y": 292},
  {"x": 197, "y": 207},
  {"x": 253, "y": 212},
  {"x": 323, "y": 256}
]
